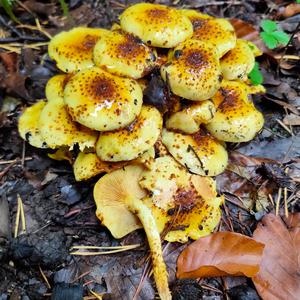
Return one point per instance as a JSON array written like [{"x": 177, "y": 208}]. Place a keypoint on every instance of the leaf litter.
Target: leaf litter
[{"x": 263, "y": 166}]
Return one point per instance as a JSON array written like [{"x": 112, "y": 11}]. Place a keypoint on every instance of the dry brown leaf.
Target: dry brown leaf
[
  {"x": 290, "y": 10},
  {"x": 220, "y": 254},
  {"x": 292, "y": 120},
  {"x": 278, "y": 277}
]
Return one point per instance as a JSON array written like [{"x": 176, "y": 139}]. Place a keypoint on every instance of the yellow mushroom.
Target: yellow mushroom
[
  {"x": 130, "y": 142},
  {"x": 55, "y": 86},
  {"x": 239, "y": 61},
  {"x": 193, "y": 211},
  {"x": 102, "y": 101},
  {"x": 88, "y": 165},
  {"x": 217, "y": 31},
  {"x": 200, "y": 153},
  {"x": 58, "y": 129},
  {"x": 190, "y": 118},
  {"x": 193, "y": 70},
  {"x": 124, "y": 54},
  {"x": 73, "y": 50},
  {"x": 156, "y": 25},
  {"x": 118, "y": 196},
  {"x": 236, "y": 119},
  {"x": 28, "y": 125}
]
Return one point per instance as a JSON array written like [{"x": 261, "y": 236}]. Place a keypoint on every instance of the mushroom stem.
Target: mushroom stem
[{"x": 159, "y": 267}]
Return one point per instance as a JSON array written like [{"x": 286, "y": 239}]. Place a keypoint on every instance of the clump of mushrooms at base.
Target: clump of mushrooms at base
[{"x": 150, "y": 104}]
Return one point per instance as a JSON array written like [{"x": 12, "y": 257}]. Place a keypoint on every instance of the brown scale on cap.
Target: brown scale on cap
[
  {"x": 157, "y": 25},
  {"x": 73, "y": 50},
  {"x": 236, "y": 119},
  {"x": 192, "y": 71},
  {"x": 217, "y": 31},
  {"x": 123, "y": 54},
  {"x": 102, "y": 101}
]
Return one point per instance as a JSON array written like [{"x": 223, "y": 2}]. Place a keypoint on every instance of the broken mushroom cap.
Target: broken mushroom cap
[
  {"x": 200, "y": 153},
  {"x": 163, "y": 179},
  {"x": 123, "y": 54},
  {"x": 28, "y": 125},
  {"x": 55, "y": 87},
  {"x": 190, "y": 118},
  {"x": 239, "y": 61},
  {"x": 217, "y": 31},
  {"x": 236, "y": 119},
  {"x": 194, "y": 211},
  {"x": 58, "y": 129},
  {"x": 102, "y": 101},
  {"x": 193, "y": 71},
  {"x": 118, "y": 196},
  {"x": 73, "y": 50},
  {"x": 156, "y": 25},
  {"x": 130, "y": 142}
]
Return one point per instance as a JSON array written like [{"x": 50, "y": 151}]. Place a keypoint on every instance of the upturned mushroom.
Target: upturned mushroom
[
  {"x": 102, "y": 101},
  {"x": 156, "y": 25},
  {"x": 193, "y": 70},
  {"x": 130, "y": 142},
  {"x": 123, "y": 54},
  {"x": 239, "y": 62},
  {"x": 73, "y": 50},
  {"x": 217, "y": 31},
  {"x": 117, "y": 194},
  {"x": 200, "y": 152},
  {"x": 236, "y": 119}
]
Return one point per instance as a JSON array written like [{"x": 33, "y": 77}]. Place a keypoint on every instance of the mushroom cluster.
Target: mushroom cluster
[{"x": 151, "y": 103}]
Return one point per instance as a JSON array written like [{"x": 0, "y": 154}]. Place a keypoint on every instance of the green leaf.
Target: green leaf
[
  {"x": 268, "y": 25},
  {"x": 64, "y": 7},
  {"x": 281, "y": 37},
  {"x": 270, "y": 41},
  {"x": 7, "y": 6},
  {"x": 255, "y": 75},
  {"x": 298, "y": 1}
]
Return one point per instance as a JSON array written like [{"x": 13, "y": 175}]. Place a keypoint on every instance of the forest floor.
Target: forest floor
[{"x": 60, "y": 212}]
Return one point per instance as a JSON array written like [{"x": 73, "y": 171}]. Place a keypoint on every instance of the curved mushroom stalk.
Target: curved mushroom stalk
[
  {"x": 117, "y": 195},
  {"x": 153, "y": 236}
]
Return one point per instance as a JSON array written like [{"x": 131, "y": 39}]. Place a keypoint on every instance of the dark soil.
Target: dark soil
[{"x": 60, "y": 212}]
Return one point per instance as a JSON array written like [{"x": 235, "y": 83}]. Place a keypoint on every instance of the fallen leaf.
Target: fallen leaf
[
  {"x": 220, "y": 254},
  {"x": 292, "y": 120},
  {"x": 290, "y": 10},
  {"x": 278, "y": 277},
  {"x": 248, "y": 32}
]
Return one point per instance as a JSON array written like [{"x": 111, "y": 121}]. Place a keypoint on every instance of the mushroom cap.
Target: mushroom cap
[
  {"x": 163, "y": 179},
  {"x": 200, "y": 153},
  {"x": 192, "y": 212},
  {"x": 88, "y": 165},
  {"x": 111, "y": 193},
  {"x": 73, "y": 50},
  {"x": 217, "y": 31},
  {"x": 238, "y": 62},
  {"x": 55, "y": 87},
  {"x": 157, "y": 25},
  {"x": 102, "y": 101},
  {"x": 189, "y": 119},
  {"x": 58, "y": 129},
  {"x": 193, "y": 70},
  {"x": 130, "y": 142},
  {"x": 124, "y": 54},
  {"x": 29, "y": 125},
  {"x": 236, "y": 119}
]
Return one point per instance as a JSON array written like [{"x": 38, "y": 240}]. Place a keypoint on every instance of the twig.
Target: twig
[
  {"x": 20, "y": 214},
  {"x": 91, "y": 253},
  {"x": 45, "y": 278},
  {"x": 285, "y": 127},
  {"x": 278, "y": 201}
]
